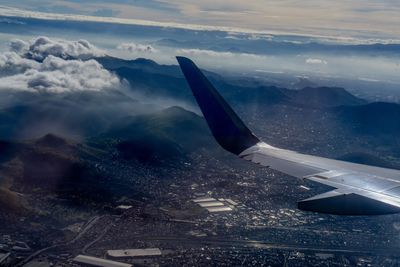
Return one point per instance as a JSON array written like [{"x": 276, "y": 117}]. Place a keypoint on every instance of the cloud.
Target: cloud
[
  {"x": 13, "y": 63},
  {"x": 19, "y": 46},
  {"x": 212, "y": 53},
  {"x": 42, "y": 47},
  {"x": 11, "y": 21},
  {"x": 41, "y": 66},
  {"x": 316, "y": 61},
  {"x": 255, "y": 17},
  {"x": 230, "y": 61},
  {"x": 137, "y": 48},
  {"x": 58, "y": 75},
  {"x": 105, "y": 12}
]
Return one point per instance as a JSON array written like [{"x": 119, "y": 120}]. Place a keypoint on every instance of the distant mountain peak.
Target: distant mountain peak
[
  {"x": 51, "y": 140},
  {"x": 177, "y": 110},
  {"x": 325, "y": 97},
  {"x": 144, "y": 61},
  {"x": 303, "y": 82}
]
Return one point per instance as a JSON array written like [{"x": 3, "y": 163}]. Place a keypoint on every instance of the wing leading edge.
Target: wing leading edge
[{"x": 360, "y": 189}]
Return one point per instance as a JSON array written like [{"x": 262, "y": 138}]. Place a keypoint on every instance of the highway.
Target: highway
[{"x": 87, "y": 227}]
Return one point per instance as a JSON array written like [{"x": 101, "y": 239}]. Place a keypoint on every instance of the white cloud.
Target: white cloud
[
  {"x": 255, "y": 17},
  {"x": 316, "y": 61},
  {"x": 13, "y": 63},
  {"x": 19, "y": 46},
  {"x": 212, "y": 53},
  {"x": 57, "y": 75},
  {"x": 137, "y": 48},
  {"x": 230, "y": 61},
  {"x": 41, "y": 66},
  {"x": 42, "y": 47}
]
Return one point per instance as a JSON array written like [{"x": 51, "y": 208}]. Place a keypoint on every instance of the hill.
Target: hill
[
  {"x": 374, "y": 118},
  {"x": 166, "y": 135},
  {"x": 322, "y": 97}
]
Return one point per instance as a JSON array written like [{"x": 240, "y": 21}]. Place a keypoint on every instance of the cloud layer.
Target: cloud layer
[
  {"x": 357, "y": 18},
  {"x": 45, "y": 65}
]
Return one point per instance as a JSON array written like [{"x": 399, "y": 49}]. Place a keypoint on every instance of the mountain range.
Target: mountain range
[{"x": 53, "y": 142}]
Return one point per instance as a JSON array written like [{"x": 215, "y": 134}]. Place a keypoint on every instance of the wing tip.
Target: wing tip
[
  {"x": 183, "y": 60},
  {"x": 228, "y": 129}
]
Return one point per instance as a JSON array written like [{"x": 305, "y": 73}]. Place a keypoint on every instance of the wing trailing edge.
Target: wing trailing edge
[{"x": 335, "y": 202}]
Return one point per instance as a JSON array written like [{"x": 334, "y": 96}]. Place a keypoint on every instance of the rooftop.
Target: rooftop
[
  {"x": 93, "y": 261},
  {"x": 134, "y": 252},
  {"x": 219, "y": 209}
]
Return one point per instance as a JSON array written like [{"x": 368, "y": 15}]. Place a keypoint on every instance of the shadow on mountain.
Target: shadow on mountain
[
  {"x": 73, "y": 114},
  {"x": 163, "y": 136},
  {"x": 12, "y": 202},
  {"x": 375, "y": 118},
  {"x": 54, "y": 165}
]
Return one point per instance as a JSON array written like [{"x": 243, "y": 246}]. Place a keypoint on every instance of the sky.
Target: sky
[
  {"x": 351, "y": 44},
  {"x": 355, "y": 18}
]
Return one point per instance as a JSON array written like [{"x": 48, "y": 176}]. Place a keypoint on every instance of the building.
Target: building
[
  {"x": 219, "y": 209},
  {"x": 83, "y": 260},
  {"x": 4, "y": 258},
  {"x": 212, "y": 205},
  {"x": 37, "y": 263},
  {"x": 132, "y": 253},
  {"x": 123, "y": 207}
]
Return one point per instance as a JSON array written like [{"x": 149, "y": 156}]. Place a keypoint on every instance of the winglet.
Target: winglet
[{"x": 227, "y": 128}]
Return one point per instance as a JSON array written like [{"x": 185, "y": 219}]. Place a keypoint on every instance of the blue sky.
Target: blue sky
[{"x": 356, "y": 18}]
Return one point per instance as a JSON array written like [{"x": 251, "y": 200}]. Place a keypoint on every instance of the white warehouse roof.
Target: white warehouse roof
[
  {"x": 93, "y": 261},
  {"x": 134, "y": 252}
]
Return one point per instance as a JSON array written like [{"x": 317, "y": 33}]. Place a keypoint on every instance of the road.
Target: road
[{"x": 87, "y": 227}]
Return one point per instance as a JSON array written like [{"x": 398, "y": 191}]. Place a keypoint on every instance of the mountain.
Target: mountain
[
  {"x": 12, "y": 202},
  {"x": 374, "y": 118},
  {"x": 7, "y": 150},
  {"x": 55, "y": 165},
  {"x": 323, "y": 97},
  {"x": 155, "y": 84},
  {"x": 148, "y": 77},
  {"x": 51, "y": 141},
  {"x": 303, "y": 82},
  {"x": 162, "y": 136},
  {"x": 52, "y": 165},
  {"x": 74, "y": 114},
  {"x": 146, "y": 65}
]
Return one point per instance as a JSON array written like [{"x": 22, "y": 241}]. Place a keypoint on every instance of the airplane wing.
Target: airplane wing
[{"x": 359, "y": 189}]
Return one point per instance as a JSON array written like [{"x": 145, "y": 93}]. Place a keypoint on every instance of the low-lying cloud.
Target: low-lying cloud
[
  {"x": 316, "y": 61},
  {"x": 213, "y": 53},
  {"x": 46, "y": 65},
  {"x": 137, "y": 48}
]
